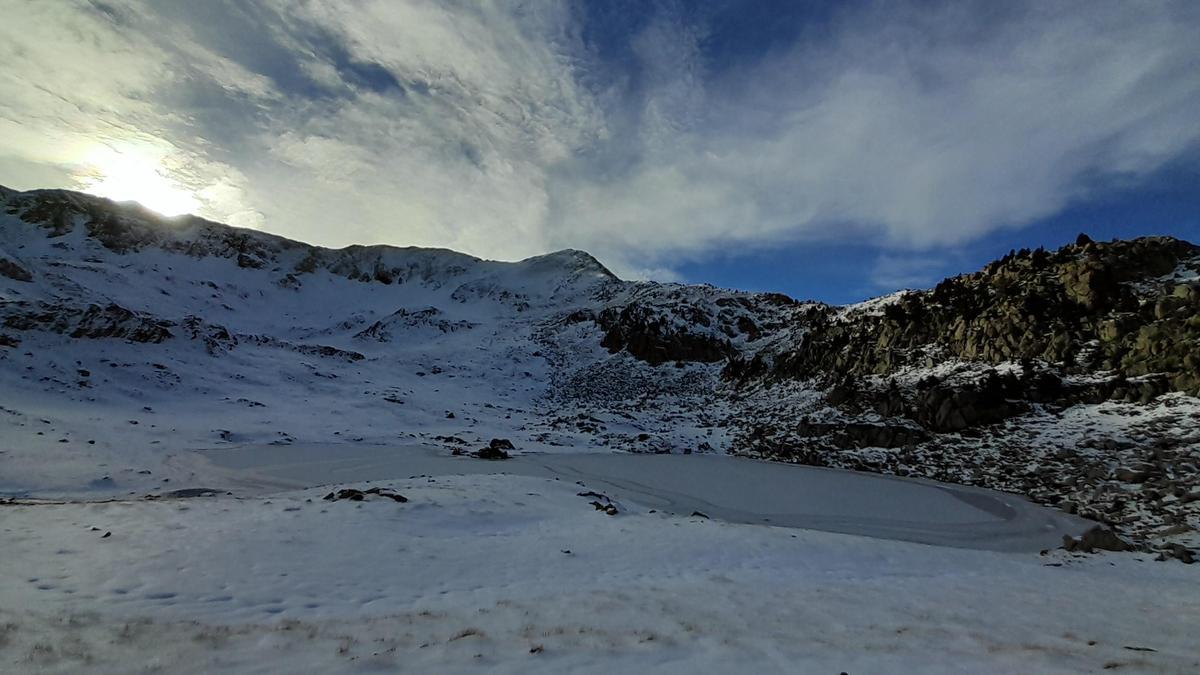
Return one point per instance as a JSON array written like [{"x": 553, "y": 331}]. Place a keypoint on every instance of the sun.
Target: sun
[{"x": 134, "y": 174}]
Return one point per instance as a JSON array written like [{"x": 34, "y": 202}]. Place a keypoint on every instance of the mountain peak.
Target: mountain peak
[{"x": 572, "y": 260}]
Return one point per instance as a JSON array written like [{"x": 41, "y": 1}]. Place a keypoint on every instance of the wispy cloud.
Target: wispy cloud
[
  {"x": 892, "y": 272},
  {"x": 503, "y": 129}
]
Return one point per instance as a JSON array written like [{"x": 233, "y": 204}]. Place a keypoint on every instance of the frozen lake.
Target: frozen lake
[{"x": 726, "y": 488}]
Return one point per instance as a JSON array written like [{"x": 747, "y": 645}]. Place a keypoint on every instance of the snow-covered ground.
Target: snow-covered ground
[
  {"x": 487, "y": 573},
  {"x": 276, "y": 347},
  {"x": 369, "y": 344}
]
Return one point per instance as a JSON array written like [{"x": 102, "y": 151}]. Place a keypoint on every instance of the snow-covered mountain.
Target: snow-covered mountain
[
  {"x": 126, "y": 334},
  {"x": 254, "y": 442},
  {"x": 126, "y": 337}
]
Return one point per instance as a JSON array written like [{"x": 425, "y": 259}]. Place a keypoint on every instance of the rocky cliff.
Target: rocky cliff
[{"x": 1129, "y": 308}]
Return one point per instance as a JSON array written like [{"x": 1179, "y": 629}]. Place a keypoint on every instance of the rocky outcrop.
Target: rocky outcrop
[
  {"x": 654, "y": 339},
  {"x": 91, "y": 322},
  {"x": 953, "y": 384},
  {"x": 11, "y": 270},
  {"x": 496, "y": 449},
  {"x": 1096, "y": 539},
  {"x": 936, "y": 383},
  {"x": 401, "y": 320},
  {"x": 356, "y": 495},
  {"x": 322, "y": 351},
  {"x": 1088, "y": 307},
  {"x": 216, "y": 339}
]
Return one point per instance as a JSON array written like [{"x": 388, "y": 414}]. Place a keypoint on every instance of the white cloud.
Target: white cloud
[
  {"x": 494, "y": 128},
  {"x": 891, "y": 272},
  {"x": 926, "y": 127},
  {"x": 79, "y": 100}
]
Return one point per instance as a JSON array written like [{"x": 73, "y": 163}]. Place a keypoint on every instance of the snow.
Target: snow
[
  {"x": 873, "y": 306},
  {"x": 479, "y": 570},
  {"x": 484, "y": 340},
  {"x": 475, "y": 571}
]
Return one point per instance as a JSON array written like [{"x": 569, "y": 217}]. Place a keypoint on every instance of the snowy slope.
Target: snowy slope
[
  {"x": 136, "y": 335},
  {"x": 519, "y": 574},
  {"x": 129, "y": 341}
]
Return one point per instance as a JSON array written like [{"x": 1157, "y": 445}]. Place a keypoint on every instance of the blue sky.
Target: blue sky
[
  {"x": 827, "y": 150},
  {"x": 1166, "y": 203}
]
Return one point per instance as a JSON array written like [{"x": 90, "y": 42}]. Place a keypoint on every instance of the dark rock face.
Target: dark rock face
[
  {"x": 92, "y": 322},
  {"x": 356, "y": 495},
  {"x": 673, "y": 324},
  {"x": 491, "y": 453},
  {"x": 14, "y": 271},
  {"x": 860, "y": 434},
  {"x": 322, "y": 351},
  {"x": 1087, "y": 307},
  {"x": 653, "y": 339},
  {"x": 602, "y": 502},
  {"x": 382, "y": 331},
  {"x": 216, "y": 339},
  {"x": 497, "y": 449},
  {"x": 1030, "y": 335},
  {"x": 1098, "y": 538},
  {"x": 940, "y": 408}
]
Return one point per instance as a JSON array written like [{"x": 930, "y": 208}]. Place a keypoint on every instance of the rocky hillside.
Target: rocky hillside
[
  {"x": 1070, "y": 376},
  {"x": 1090, "y": 322},
  {"x": 107, "y": 306},
  {"x": 948, "y": 383},
  {"x": 1129, "y": 308}
]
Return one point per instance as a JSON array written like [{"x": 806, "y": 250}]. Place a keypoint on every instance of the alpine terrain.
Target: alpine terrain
[{"x": 186, "y": 408}]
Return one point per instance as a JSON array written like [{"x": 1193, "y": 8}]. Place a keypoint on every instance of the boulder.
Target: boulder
[
  {"x": 1136, "y": 473},
  {"x": 1099, "y": 538},
  {"x": 497, "y": 449}
]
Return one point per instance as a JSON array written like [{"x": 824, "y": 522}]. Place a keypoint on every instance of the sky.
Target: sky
[{"x": 833, "y": 151}]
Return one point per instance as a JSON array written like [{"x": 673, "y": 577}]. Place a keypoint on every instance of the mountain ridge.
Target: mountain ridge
[
  {"x": 128, "y": 225},
  {"x": 1065, "y": 376}
]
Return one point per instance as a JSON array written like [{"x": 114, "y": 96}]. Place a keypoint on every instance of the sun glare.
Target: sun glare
[{"x": 137, "y": 176}]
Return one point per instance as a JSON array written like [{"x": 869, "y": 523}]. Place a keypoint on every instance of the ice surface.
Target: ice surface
[{"x": 729, "y": 488}]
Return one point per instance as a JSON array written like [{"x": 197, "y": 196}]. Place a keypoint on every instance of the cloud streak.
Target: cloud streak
[{"x": 507, "y": 129}]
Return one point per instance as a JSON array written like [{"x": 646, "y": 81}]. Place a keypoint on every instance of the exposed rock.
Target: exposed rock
[
  {"x": 356, "y": 495},
  {"x": 10, "y": 269},
  {"x": 92, "y": 322},
  {"x": 1097, "y": 538},
  {"x": 961, "y": 383},
  {"x": 346, "y": 493},
  {"x": 216, "y": 339},
  {"x": 1138, "y": 473},
  {"x": 607, "y": 508},
  {"x": 1180, "y": 553},
  {"x": 1030, "y": 305},
  {"x": 387, "y": 494},
  {"x": 652, "y": 338},
  {"x": 497, "y": 449},
  {"x": 491, "y": 453}
]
